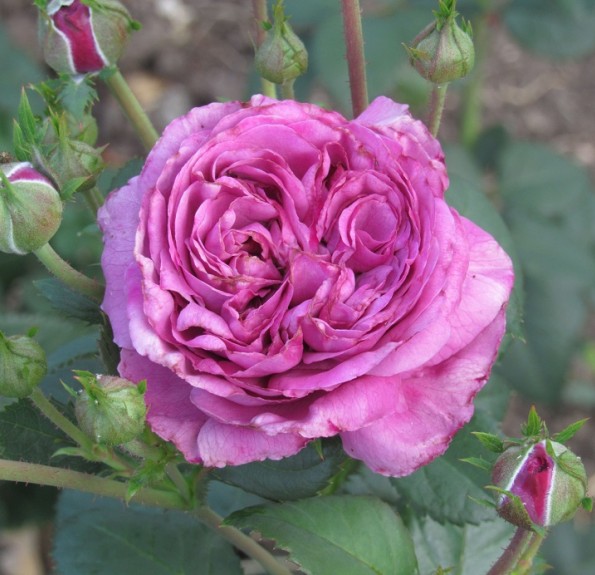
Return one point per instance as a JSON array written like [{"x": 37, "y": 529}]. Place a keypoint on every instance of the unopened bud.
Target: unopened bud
[
  {"x": 68, "y": 159},
  {"x": 22, "y": 365},
  {"x": 84, "y": 36},
  {"x": 539, "y": 485},
  {"x": 443, "y": 51},
  {"x": 110, "y": 409},
  {"x": 30, "y": 209},
  {"x": 282, "y": 57}
]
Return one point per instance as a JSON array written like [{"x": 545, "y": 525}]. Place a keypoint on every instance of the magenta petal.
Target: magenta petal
[
  {"x": 221, "y": 444},
  {"x": 436, "y": 403}
]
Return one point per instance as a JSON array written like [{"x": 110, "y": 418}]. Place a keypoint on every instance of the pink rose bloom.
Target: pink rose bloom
[{"x": 278, "y": 273}]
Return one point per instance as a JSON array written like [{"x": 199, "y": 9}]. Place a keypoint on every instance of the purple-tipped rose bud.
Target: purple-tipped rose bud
[
  {"x": 443, "y": 51},
  {"x": 30, "y": 209},
  {"x": 84, "y": 36},
  {"x": 22, "y": 365},
  {"x": 111, "y": 410},
  {"x": 548, "y": 480},
  {"x": 282, "y": 57}
]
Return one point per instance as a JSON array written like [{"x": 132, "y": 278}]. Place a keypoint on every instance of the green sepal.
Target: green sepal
[
  {"x": 478, "y": 462},
  {"x": 534, "y": 425},
  {"x": 569, "y": 432},
  {"x": 490, "y": 441},
  {"x": 587, "y": 504},
  {"x": 522, "y": 518}
]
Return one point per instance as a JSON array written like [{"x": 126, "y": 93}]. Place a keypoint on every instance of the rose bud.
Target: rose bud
[
  {"x": 30, "y": 209},
  {"x": 109, "y": 409},
  {"x": 443, "y": 51},
  {"x": 22, "y": 365},
  {"x": 80, "y": 36},
  {"x": 282, "y": 57},
  {"x": 539, "y": 485},
  {"x": 69, "y": 159}
]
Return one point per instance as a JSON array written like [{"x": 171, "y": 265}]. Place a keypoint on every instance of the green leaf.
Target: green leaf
[
  {"x": 69, "y": 302},
  {"x": 337, "y": 534},
  {"x": 106, "y": 537},
  {"x": 446, "y": 488},
  {"x": 557, "y": 28},
  {"x": 555, "y": 238},
  {"x": 466, "y": 550},
  {"x": 78, "y": 96},
  {"x": 297, "y": 477},
  {"x": 26, "y": 435},
  {"x": 569, "y": 432}
]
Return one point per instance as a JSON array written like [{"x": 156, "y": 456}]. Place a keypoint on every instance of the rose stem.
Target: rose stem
[
  {"x": 522, "y": 548},
  {"x": 354, "y": 43},
  {"x": 94, "y": 199},
  {"x": 179, "y": 481},
  {"x": 132, "y": 108},
  {"x": 437, "y": 100},
  {"x": 259, "y": 8},
  {"x": 61, "y": 422},
  {"x": 287, "y": 92},
  {"x": 471, "y": 117},
  {"x": 241, "y": 541},
  {"x": 68, "y": 479},
  {"x": 67, "y": 274}
]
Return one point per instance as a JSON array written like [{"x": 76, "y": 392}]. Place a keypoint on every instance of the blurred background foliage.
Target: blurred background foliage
[{"x": 544, "y": 199}]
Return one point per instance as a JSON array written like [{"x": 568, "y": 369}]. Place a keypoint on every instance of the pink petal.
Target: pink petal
[{"x": 436, "y": 402}]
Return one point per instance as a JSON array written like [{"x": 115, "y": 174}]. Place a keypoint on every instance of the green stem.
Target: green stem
[
  {"x": 58, "y": 419},
  {"x": 471, "y": 117},
  {"x": 518, "y": 556},
  {"x": 354, "y": 44},
  {"x": 68, "y": 479},
  {"x": 94, "y": 199},
  {"x": 93, "y": 452},
  {"x": 179, "y": 481},
  {"x": 132, "y": 108},
  {"x": 259, "y": 8},
  {"x": 67, "y": 274},
  {"x": 437, "y": 101},
  {"x": 242, "y": 541},
  {"x": 287, "y": 92}
]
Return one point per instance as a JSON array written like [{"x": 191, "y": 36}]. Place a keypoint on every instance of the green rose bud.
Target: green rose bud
[
  {"x": 69, "y": 159},
  {"x": 539, "y": 484},
  {"x": 30, "y": 209},
  {"x": 109, "y": 409},
  {"x": 22, "y": 365},
  {"x": 84, "y": 36},
  {"x": 282, "y": 57},
  {"x": 443, "y": 51}
]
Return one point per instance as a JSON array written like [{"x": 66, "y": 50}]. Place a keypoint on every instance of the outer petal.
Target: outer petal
[
  {"x": 220, "y": 444},
  {"x": 436, "y": 403},
  {"x": 119, "y": 217}
]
